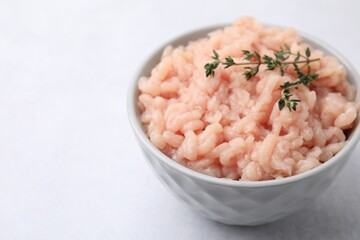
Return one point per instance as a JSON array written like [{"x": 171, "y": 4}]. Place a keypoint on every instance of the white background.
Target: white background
[{"x": 69, "y": 164}]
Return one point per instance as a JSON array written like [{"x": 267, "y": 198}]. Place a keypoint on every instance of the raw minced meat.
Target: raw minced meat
[{"x": 225, "y": 126}]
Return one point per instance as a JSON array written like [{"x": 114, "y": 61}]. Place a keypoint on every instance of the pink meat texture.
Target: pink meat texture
[{"x": 227, "y": 127}]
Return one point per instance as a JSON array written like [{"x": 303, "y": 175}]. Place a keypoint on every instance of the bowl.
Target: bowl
[{"x": 240, "y": 202}]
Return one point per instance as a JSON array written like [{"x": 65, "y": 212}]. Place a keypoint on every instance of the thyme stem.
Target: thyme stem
[
  {"x": 286, "y": 63},
  {"x": 272, "y": 63}
]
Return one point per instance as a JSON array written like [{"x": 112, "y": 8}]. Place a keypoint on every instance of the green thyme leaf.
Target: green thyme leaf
[
  {"x": 216, "y": 55},
  {"x": 281, "y": 104}
]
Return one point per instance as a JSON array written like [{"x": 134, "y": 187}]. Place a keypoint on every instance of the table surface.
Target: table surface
[{"x": 69, "y": 164}]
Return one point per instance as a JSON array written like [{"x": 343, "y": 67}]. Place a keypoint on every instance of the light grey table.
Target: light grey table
[{"x": 69, "y": 164}]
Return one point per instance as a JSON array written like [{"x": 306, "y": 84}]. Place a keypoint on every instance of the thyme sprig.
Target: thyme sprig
[{"x": 279, "y": 61}]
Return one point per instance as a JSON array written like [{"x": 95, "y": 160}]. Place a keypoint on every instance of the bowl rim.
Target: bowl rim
[{"x": 142, "y": 137}]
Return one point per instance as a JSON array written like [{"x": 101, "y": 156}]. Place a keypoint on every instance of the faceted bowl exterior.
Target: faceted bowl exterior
[{"x": 235, "y": 202}]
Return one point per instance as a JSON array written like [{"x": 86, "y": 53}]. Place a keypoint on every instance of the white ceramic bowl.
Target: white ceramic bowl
[{"x": 234, "y": 202}]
